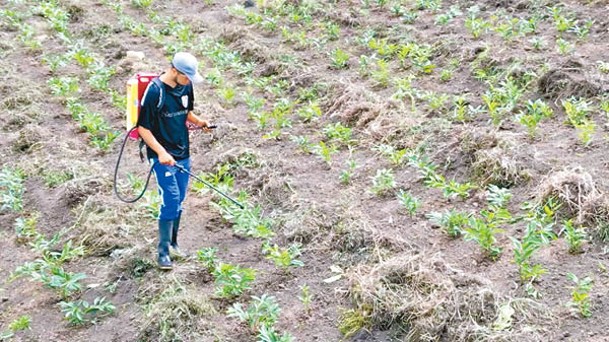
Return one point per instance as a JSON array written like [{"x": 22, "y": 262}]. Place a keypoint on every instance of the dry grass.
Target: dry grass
[
  {"x": 567, "y": 81},
  {"x": 345, "y": 231},
  {"x": 576, "y": 191},
  {"x": 493, "y": 160},
  {"x": 176, "y": 313},
  {"x": 427, "y": 300}
]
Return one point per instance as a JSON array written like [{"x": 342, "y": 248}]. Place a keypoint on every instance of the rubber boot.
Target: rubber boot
[
  {"x": 175, "y": 248},
  {"x": 164, "y": 260}
]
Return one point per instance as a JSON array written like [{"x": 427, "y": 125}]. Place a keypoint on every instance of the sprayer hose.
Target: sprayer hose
[{"x": 118, "y": 161}]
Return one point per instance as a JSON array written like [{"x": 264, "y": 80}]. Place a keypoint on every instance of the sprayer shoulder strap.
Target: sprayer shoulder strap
[
  {"x": 159, "y": 84},
  {"x": 157, "y": 81}
]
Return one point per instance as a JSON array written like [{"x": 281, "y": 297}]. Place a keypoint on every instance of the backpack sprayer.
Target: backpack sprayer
[{"x": 136, "y": 88}]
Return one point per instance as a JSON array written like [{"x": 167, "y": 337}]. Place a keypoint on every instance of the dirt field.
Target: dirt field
[{"x": 411, "y": 170}]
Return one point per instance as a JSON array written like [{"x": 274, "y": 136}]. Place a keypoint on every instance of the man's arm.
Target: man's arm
[
  {"x": 194, "y": 119},
  {"x": 164, "y": 157}
]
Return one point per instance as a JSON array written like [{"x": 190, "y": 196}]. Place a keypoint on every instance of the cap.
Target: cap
[{"x": 188, "y": 65}]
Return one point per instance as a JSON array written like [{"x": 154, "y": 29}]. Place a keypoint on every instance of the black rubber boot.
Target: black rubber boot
[
  {"x": 175, "y": 248},
  {"x": 164, "y": 260}
]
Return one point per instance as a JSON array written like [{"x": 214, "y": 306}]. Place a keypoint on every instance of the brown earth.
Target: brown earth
[{"x": 403, "y": 275}]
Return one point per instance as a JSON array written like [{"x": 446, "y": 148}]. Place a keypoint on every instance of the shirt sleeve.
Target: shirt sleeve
[{"x": 149, "y": 106}]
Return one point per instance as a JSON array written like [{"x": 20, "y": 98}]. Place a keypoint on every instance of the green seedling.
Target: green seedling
[
  {"x": 382, "y": 182},
  {"x": 574, "y": 236},
  {"x": 104, "y": 140},
  {"x": 231, "y": 281},
  {"x": 63, "y": 86},
  {"x": 247, "y": 222},
  {"x": 452, "y": 222},
  {"x": 100, "y": 76},
  {"x": 261, "y": 311},
  {"x": 268, "y": 334},
  {"x": 81, "y": 312},
  {"x": 325, "y": 151},
  {"x": 338, "y": 133},
  {"x": 22, "y": 323},
  {"x": 283, "y": 257},
  {"x": 302, "y": 142},
  {"x": 498, "y": 198},
  {"x": 306, "y": 298},
  {"x": 433, "y": 5},
  {"x": 483, "y": 231},
  {"x": 309, "y": 112},
  {"x": 208, "y": 256},
  {"x": 408, "y": 202},
  {"x": 523, "y": 251},
  {"x": 534, "y": 113},
  {"x": 151, "y": 204},
  {"x": 577, "y": 110},
  {"x": 347, "y": 174},
  {"x": 580, "y": 295},
  {"x": 381, "y": 73},
  {"x": 25, "y": 228},
  {"x": 11, "y": 189},
  {"x": 564, "y": 47},
  {"x": 142, "y": 4},
  {"x": 585, "y": 131},
  {"x": 339, "y": 59},
  {"x": 476, "y": 26}
]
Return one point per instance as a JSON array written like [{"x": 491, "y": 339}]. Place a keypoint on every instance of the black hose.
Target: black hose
[{"x": 120, "y": 155}]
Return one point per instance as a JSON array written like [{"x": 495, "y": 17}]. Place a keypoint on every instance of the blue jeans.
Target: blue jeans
[{"x": 173, "y": 185}]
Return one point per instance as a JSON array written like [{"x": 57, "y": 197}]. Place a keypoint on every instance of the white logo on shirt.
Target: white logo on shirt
[{"x": 185, "y": 101}]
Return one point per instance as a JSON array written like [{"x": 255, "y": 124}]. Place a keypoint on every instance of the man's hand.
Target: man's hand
[
  {"x": 205, "y": 126},
  {"x": 166, "y": 159}
]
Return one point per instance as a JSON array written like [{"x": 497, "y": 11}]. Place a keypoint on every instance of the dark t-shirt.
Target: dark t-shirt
[{"x": 168, "y": 125}]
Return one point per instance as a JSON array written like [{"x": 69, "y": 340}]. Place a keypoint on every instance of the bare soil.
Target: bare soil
[{"x": 403, "y": 274}]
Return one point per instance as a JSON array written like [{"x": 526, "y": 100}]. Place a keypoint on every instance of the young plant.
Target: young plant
[
  {"x": 231, "y": 281},
  {"x": 309, "y": 112},
  {"x": 498, "y": 198},
  {"x": 585, "y": 131},
  {"x": 25, "y": 228},
  {"x": 523, "y": 251},
  {"x": 306, "y": 298},
  {"x": 452, "y": 222},
  {"x": 453, "y": 189},
  {"x": 534, "y": 113},
  {"x": 409, "y": 202},
  {"x": 247, "y": 222},
  {"x": 383, "y": 181},
  {"x": 268, "y": 334},
  {"x": 283, "y": 257},
  {"x": 339, "y": 59},
  {"x": 580, "y": 295},
  {"x": 22, "y": 323},
  {"x": 324, "y": 151},
  {"x": 574, "y": 237},
  {"x": 577, "y": 110},
  {"x": 338, "y": 133},
  {"x": 483, "y": 231},
  {"x": 11, "y": 189},
  {"x": 81, "y": 312},
  {"x": 347, "y": 174},
  {"x": 208, "y": 257},
  {"x": 395, "y": 156},
  {"x": 262, "y": 311}
]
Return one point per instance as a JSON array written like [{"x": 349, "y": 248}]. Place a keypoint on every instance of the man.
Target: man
[{"x": 163, "y": 129}]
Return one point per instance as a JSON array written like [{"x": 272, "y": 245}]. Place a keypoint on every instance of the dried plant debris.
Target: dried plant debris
[{"x": 422, "y": 298}]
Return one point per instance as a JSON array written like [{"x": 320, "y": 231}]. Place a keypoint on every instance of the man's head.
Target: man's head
[{"x": 186, "y": 66}]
